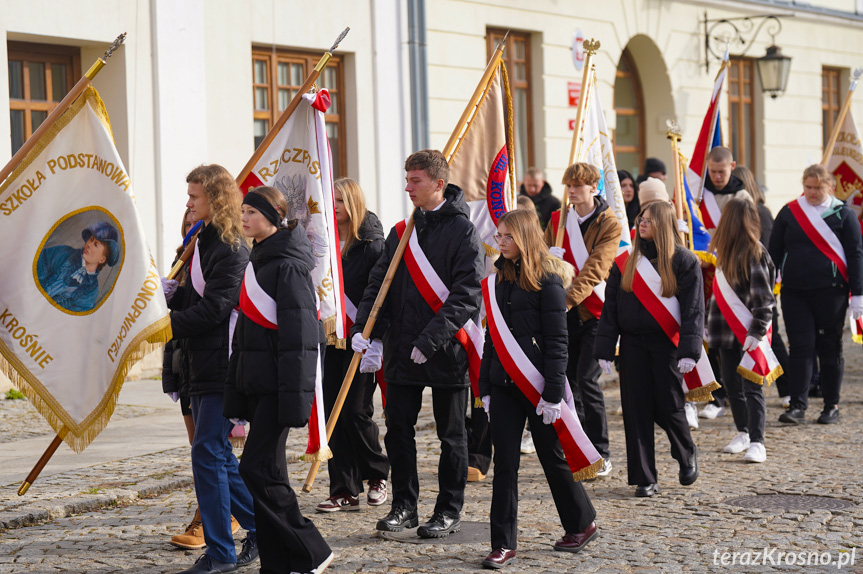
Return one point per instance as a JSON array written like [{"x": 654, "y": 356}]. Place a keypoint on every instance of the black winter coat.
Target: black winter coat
[
  {"x": 360, "y": 258},
  {"x": 545, "y": 203},
  {"x": 452, "y": 246},
  {"x": 281, "y": 362},
  {"x": 802, "y": 265},
  {"x": 537, "y": 320},
  {"x": 624, "y": 313},
  {"x": 200, "y": 325}
]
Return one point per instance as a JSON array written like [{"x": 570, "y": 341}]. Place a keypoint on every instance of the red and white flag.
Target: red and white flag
[
  {"x": 707, "y": 140},
  {"x": 298, "y": 163},
  {"x": 647, "y": 286},
  {"x": 759, "y": 365}
]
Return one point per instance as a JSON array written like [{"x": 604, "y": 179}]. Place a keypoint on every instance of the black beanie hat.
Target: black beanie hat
[{"x": 652, "y": 165}]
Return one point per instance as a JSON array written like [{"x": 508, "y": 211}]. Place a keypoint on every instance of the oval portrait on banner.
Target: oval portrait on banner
[{"x": 79, "y": 260}]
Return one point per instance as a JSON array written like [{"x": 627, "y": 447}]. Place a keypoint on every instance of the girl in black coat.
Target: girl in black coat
[
  {"x": 815, "y": 292},
  {"x": 531, "y": 293},
  {"x": 355, "y": 442},
  {"x": 271, "y": 378},
  {"x": 651, "y": 367}
]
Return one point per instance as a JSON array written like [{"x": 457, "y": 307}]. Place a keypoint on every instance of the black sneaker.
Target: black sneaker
[
  {"x": 829, "y": 416},
  {"x": 793, "y": 416},
  {"x": 209, "y": 565},
  {"x": 398, "y": 519},
  {"x": 249, "y": 553},
  {"x": 439, "y": 526}
]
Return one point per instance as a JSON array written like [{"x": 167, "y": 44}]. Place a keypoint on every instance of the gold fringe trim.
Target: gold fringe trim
[
  {"x": 329, "y": 326},
  {"x": 777, "y": 288},
  {"x": 589, "y": 472},
  {"x": 322, "y": 455},
  {"x": 758, "y": 379},
  {"x": 703, "y": 393},
  {"x": 79, "y": 436},
  {"x": 238, "y": 441},
  {"x": 490, "y": 251},
  {"x": 334, "y": 341},
  {"x": 857, "y": 338},
  {"x": 477, "y": 402},
  {"x": 706, "y": 256}
]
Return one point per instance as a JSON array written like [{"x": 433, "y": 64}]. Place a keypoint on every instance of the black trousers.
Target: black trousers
[
  {"x": 478, "y": 439},
  {"x": 287, "y": 541},
  {"x": 356, "y": 446},
  {"x": 651, "y": 392},
  {"x": 745, "y": 397},
  {"x": 720, "y": 398},
  {"x": 781, "y": 352},
  {"x": 509, "y": 409},
  {"x": 583, "y": 372},
  {"x": 814, "y": 321},
  {"x": 450, "y": 405}
]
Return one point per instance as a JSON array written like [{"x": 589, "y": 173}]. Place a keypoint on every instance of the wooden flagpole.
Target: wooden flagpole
[
  {"x": 837, "y": 127},
  {"x": 462, "y": 125},
  {"x": 673, "y": 134},
  {"x": 295, "y": 101},
  {"x": 61, "y": 108},
  {"x": 19, "y": 156},
  {"x": 590, "y": 48}
]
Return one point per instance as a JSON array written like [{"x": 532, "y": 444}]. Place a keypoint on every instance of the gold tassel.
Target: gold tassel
[
  {"x": 707, "y": 257},
  {"x": 322, "y": 455},
  {"x": 589, "y": 472},
  {"x": 238, "y": 441},
  {"x": 703, "y": 393},
  {"x": 777, "y": 287},
  {"x": 477, "y": 402}
]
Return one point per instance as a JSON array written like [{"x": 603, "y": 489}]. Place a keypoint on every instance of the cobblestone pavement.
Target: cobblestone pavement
[{"x": 684, "y": 529}]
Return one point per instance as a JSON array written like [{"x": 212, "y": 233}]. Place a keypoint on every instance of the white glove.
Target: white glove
[
  {"x": 373, "y": 357},
  {"x": 606, "y": 366},
  {"x": 486, "y": 401},
  {"x": 557, "y": 252},
  {"x": 750, "y": 343},
  {"x": 682, "y": 226},
  {"x": 169, "y": 287},
  {"x": 685, "y": 365},
  {"x": 856, "y": 307},
  {"x": 417, "y": 356},
  {"x": 173, "y": 396},
  {"x": 550, "y": 412},
  {"x": 239, "y": 422},
  {"x": 358, "y": 344}
]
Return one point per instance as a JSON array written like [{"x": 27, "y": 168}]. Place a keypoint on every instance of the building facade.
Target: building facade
[{"x": 201, "y": 81}]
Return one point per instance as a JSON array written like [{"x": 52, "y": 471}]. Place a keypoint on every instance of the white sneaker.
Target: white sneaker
[
  {"x": 756, "y": 453},
  {"x": 738, "y": 444},
  {"x": 691, "y": 415},
  {"x": 605, "y": 469},
  {"x": 711, "y": 411},
  {"x": 785, "y": 402},
  {"x": 527, "y": 443}
]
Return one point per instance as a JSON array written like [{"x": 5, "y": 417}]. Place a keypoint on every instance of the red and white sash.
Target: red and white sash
[
  {"x": 709, "y": 209},
  {"x": 575, "y": 253},
  {"x": 433, "y": 290},
  {"x": 199, "y": 284},
  {"x": 260, "y": 308},
  {"x": 580, "y": 454},
  {"x": 759, "y": 365},
  {"x": 647, "y": 286}
]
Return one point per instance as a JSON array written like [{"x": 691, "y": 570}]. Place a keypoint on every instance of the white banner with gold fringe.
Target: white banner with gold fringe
[{"x": 80, "y": 296}]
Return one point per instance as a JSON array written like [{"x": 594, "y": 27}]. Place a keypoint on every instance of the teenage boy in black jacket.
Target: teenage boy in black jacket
[{"x": 419, "y": 345}]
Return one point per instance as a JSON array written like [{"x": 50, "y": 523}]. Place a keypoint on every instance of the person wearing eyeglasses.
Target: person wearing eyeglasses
[
  {"x": 651, "y": 365},
  {"x": 592, "y": 230}
]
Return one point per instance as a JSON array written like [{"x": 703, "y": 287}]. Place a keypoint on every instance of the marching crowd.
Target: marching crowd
[{"x": 564, "y": 303}]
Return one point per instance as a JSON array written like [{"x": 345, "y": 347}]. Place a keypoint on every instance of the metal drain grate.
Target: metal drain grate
[{"x": 788, "y": 502}]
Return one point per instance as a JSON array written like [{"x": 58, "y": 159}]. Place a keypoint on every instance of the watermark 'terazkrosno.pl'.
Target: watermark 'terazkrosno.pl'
[{"x": 775, "y": 557}]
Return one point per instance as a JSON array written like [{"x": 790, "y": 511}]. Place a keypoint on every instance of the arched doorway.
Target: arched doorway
[
  {"x": 629, "y": 107},
  {"x": 643, "y": 101}
]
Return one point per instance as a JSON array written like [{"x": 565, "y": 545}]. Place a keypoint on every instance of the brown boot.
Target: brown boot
[
  {"x": 235, "y": 526},
  {"x": 193, "y": 537}
]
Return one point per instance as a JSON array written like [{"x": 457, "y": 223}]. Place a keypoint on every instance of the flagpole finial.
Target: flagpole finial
[
  {"x": 855, "y": 76},
  {"x": 591, "y": 46},
  {"x": 673, "y": 133},
  {"x": 339, "y": 40},
  {"x": 113, "y": 47}
]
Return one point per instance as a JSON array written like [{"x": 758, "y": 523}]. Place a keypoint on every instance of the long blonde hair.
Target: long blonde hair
[
  {"x": 527, "y": 235},
  {"x": 355, "y": 205},
  {"x": 737, "y": 240},
  {"x": 225, "y": 199},
  {"x": 665, "y": 237},
  {"x": 745, "y": 175}
]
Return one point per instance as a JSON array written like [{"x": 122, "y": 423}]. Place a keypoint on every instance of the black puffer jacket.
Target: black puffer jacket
[
  {"x": 623, "y": 313},
  {"x": 802, "y": 265},
  {"x": 360, "y": 258},
  {"x": 200, "y": 325},
  {"x": 452, "y": 246},
  {"x": 537, "y": 320},
  {"x": 279, "y": 362},
  {"x": 545, "y": 203}
]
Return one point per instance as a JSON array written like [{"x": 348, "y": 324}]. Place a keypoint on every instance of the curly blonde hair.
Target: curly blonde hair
[{"x": 225, "y": 200}]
